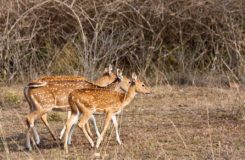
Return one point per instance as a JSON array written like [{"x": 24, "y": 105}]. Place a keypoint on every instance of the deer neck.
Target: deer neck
[
  {"x": 115, "y": 84},
  {"x": 129, "y": 96},
  {"x": 101, "y": 81}
]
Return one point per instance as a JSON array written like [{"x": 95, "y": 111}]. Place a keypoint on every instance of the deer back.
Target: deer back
[
  {"x": 61, "y": 78},
  {"x": 97, "y": 98}
]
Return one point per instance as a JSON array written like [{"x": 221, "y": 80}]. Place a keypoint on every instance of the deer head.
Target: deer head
[
  {"x": 107, "y": 78},
  {"x": 140, "y": 87}
]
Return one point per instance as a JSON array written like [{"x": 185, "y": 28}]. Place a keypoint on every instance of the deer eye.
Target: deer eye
[
  {"x": 143, "y": 85},
  {"x": 129, "y": 82}
]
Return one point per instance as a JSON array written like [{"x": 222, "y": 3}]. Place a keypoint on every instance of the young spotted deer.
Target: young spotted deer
[
  {"x": 121, "y": 85},
  {"x": 91, "y": 101},
  {"x": 47, "y": 96}
]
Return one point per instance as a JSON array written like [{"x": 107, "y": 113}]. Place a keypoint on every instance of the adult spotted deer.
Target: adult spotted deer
[
  {"x": 91, "y": 101},
  {"x": 103, "y": 81},
  {"x": 46, "y": 96}
]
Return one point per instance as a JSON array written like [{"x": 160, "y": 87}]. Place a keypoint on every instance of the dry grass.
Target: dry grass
[{"x": 174, "y": 123}]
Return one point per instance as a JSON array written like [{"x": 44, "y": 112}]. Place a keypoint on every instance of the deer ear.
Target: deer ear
[
  {"x": 118, "y": 71},
  {"x": 106, "y": 70},
  {"x": 134, "y": 77},
  {"x": 119, "y": 74},
  {"x": 110, "y": 69}
]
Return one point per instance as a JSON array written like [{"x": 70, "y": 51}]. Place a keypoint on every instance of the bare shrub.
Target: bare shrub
[{"x": 156, "y": 38}]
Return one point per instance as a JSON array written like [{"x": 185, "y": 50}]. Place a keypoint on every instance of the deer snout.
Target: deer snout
[{"x": 148, "y": 91}]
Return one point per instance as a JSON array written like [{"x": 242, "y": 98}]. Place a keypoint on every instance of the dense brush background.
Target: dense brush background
[{"x": 165, "y": 41}]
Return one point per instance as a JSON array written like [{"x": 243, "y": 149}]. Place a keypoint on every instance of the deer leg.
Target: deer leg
[
  {"x": 72, "y": 130},
  {"x": 114, "y": 121},
  {"x": 32, "y": 109},
  {"x": 62, "y": 132},
  {"x": 107, "y": 122},
  {"x": 95, "y": 126},
  {"x": 30, "y": 119},
  {"x": 37, "y": 138},
  {"x": 88, "y": 129},
  {"x": 85, "y": 117},
  {"x": 44, "y": 118},
  {"x": 64, "y": 128},
  {"x": 71, "y": 133},
  {"x": 28, "y": 136},
  {"x": 70, "y": 122}
]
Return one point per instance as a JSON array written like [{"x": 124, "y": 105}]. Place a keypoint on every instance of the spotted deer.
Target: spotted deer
[
  {"x": 46, "y": 96},
  {"x": 91, "y": 101},
  {"x": 103, "y": 81},
  {"x": 121, "y": 85}
]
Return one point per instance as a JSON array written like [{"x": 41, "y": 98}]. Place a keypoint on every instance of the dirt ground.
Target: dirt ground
[{"x": 176, "y": 122}]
